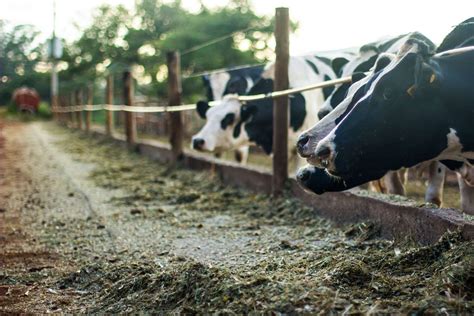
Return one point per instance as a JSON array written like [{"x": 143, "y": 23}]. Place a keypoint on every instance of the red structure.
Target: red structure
[{"x": 26, "y": 99}]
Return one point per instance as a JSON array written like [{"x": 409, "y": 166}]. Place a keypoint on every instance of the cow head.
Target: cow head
[
  {"x": 361, "y": 64},
  {"x": 309, "y": 139},
  {"x": 221, "y": 121},
  {"x": 394, "y": 123}
]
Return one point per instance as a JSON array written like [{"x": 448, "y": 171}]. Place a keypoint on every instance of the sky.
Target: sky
[{"x": 323, "y": 25}]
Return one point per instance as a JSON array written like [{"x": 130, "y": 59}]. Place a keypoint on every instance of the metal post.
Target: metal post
[
  {"x": 130, "y": 124},
  {"x": 280, "y": 105},
  {"x": 109, "y": 99},
  {"x": 174, "y": 98}
]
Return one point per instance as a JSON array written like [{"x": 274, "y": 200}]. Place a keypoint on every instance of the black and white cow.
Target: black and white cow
[
  {"x": 232, "y": 81},
  {"x": 362, "y": 63},
  {"x": 418, "y": 108},
  {"x": 393, "y": 181},
  {"x": 232, "y": 124}
]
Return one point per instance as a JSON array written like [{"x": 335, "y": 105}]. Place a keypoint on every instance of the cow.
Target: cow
[
  {"x": 232, "y": 81},
  {"x": 239, "y": 80},
  {"x": 232, "y": 124},
  {"x": 362, "y": 63},
  {"x": 393, "y": 182},
  {"x": 418, "y": 108}
]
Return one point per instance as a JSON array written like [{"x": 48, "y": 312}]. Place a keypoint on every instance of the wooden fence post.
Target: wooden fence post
[
  {"x": 130, "y": 124},
  {"x": 109, "y": 99},
  {"x": 79, "y": 101},
  {"x": 72, "y": 115},
  {"x": 174, "y": 98},
  {"x": 90, "y": 101},
  {"x": 280, "y": 105}
]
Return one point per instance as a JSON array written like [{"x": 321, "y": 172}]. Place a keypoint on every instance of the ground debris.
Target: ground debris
[{"x": 176, "y": 241}]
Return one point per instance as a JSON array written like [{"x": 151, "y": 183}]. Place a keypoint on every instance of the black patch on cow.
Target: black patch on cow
[
  {"x": 227, "y": 120},
  {"x": 457, "y": 36},
  {"x": 297, "y": 111},
  {"x": 327, "y": 90},
  {"x": 357, "y": 76},
  {"x": 382, "y": 62},
  {"x": 325, "y": 60},
  {"x": 258, "y": 115},
  {"x": 338, "y": 64},
  {"x": 339, "y": 94},
  {"x": 452, "y": 164},
  {"x": 313, "y": 66},
  {"x": 201, "y": 108},
  {"x": 246, "y": 113},
  {"x": 366, "y": 65}
]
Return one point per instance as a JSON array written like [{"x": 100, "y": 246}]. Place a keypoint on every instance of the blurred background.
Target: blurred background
[{"x": 100, "y": 37}]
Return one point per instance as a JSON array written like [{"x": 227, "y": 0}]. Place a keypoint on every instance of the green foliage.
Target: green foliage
[
  {"x": 118, "y": 39},
  {"x": 20, "y": 52}
]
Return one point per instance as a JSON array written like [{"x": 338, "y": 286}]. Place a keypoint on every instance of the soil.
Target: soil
[{"x": 88, "y": 227}]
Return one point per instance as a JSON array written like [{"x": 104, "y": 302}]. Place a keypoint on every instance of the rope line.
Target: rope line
[
  {"x": 187, "y": 107},
  {"x": 214, "y": 41}
]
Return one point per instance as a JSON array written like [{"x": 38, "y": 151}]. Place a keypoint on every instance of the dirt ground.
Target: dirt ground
[{"x": 88, "y": 227}]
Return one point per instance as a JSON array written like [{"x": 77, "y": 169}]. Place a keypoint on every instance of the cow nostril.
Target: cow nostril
[
  {"x": 303, "y": 140},
  {"x": 323, "y": 152},
  {"x": 198, "y": 143},
  {"x": 303, "y": 175}
]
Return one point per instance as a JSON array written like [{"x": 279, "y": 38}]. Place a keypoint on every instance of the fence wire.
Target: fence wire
[{"x": 187, "y": 107}]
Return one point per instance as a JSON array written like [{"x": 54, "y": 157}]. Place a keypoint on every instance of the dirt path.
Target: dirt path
[{"x": 88, "y": 227}]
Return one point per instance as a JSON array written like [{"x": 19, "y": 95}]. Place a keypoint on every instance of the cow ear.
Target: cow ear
[
  {"x": 383, "y": 61},
  {"x": 202, "y": 107},
  {"x": 246, "y": 111},
  {"x": 338, "y": 63},
  {"x": 356, "y": 76}
]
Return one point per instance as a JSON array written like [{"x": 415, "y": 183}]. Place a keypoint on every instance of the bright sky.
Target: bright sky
[{"x": 324, "y": 25}]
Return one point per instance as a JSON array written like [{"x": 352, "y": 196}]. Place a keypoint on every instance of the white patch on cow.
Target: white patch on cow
[
  {"x": 218, "y": 82},
  {"x": 249, "y": 84},
  {"x": 215, "y": 138},
  {"x": 453, "y": 149}
]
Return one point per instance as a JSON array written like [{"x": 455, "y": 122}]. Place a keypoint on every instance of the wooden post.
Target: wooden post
[
  {"x": 174, "y": 98},
  {"x": 130, "y": 124},
  {"x": 72, "y": 115},
  {"x": 109, "y": 99},
  {"x": 90, "y": 101},
  {"x": 280, "y": 105},
  {"x": 79, "y": 101}
]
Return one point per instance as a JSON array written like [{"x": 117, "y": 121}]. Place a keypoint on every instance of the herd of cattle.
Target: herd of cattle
[{"x": 410, "y": 103}]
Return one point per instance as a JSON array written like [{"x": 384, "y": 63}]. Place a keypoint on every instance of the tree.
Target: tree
[
  {"x": 20, "y": 53},
  {"x": 141, "y": 38}
]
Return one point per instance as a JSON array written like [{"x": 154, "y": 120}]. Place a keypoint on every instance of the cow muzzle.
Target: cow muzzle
[
  {"x": 198, "y": 143},
  {"x": 324, "y": 157}
]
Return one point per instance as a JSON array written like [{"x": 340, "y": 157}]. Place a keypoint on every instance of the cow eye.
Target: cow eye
[{"x": 387, "y": 93}]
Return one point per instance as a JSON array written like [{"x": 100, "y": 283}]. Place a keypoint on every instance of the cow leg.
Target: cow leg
[
  {"x": 436, "y": 176},
  {"x": 393, "y": 183},
  {"x": 467, "y": 195},
  {"x": 377, "y": 186},
  {"x": 242, "y": 154}
]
